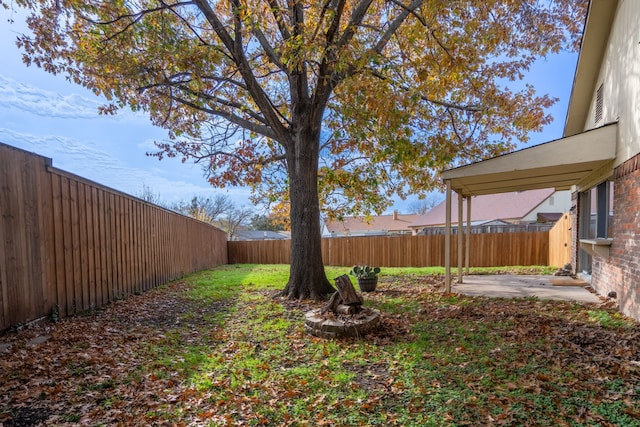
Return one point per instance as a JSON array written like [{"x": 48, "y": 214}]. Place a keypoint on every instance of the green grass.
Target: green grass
[
  {"x": 608, "y": 319},
  {"x": 237, "y": 354},
  {"x": 447, "y": 370}
]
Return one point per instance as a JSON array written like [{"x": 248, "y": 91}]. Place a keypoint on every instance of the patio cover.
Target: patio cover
[
  {"x": 558, "y": 164},
  {"x": 580, "y": 160}
]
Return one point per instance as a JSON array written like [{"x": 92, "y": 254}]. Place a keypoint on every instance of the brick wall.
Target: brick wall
[{"x": 620, "y": 272}]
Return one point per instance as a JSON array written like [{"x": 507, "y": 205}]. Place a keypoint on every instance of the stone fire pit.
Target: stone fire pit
[{"x": 324, "y": 326}]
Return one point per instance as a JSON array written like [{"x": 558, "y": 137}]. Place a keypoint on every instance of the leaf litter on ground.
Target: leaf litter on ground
[{"x": 167, "y": 358}]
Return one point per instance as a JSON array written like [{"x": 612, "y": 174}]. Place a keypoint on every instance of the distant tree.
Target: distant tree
[
  {"x": 205, "y": 209},
  {"x": 265, "y": 222},
  {"x": 234, "y": 220},
  {"x": 421, "y": 207},
  {"x": 344, "y": 101},
  {"x": 147, "y": 194},
  {"x": 281, "y": 215}
]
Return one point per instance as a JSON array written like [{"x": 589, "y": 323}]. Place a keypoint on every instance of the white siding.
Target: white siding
[
  {"x": 559, "y": 202},
  {"x": 620, "y": 76}
]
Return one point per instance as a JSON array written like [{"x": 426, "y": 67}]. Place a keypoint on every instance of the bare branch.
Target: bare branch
[
  {"x": 187, "y": 23},
  {"x": 262, "y": 161},
  {"x": 135, "y": 16},
  {"x": 473, "y": 108},
  {"x": 228, "y": 103},
  {"x": 253, "y": 127},
  {"x": 410, "y": 10},
  {"x": 253, "y": 87}
]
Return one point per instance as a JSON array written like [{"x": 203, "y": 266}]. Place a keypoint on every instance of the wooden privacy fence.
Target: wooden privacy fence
[
  {"x": 560, "y": 242},
  {"x": 486, "y": 250},
  {"x": 69, "y": 244}
]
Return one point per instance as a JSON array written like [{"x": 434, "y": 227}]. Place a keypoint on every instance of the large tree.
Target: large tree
[{"x": 344, "y": 101}]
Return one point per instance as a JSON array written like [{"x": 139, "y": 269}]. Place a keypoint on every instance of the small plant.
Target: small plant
[
  {"x": 365, "y": 272},
  {"x": 55, "y": 313}
]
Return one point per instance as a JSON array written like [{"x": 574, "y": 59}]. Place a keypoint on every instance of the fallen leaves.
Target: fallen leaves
[{"x": 162, "y": 358}]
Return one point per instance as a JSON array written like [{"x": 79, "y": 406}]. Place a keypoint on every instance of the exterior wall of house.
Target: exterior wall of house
[
  {"x": 575, "y": 218},
  {"x": 620, "y": 79},
  {"x": 620, "y": 272},
  {"x": 620, "y": 69},
  {"x": 560, "y": 202}
]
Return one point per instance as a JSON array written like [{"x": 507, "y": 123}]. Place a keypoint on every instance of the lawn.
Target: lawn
[{"x": 220, "y": 348}]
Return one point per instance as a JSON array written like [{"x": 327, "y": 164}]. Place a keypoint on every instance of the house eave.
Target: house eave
[
  {"x": 558, "y": 164},
  {"x": 598, "y": 23}
]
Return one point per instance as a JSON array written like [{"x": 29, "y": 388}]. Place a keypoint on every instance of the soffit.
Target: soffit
[{"x": 558, "y": 164}]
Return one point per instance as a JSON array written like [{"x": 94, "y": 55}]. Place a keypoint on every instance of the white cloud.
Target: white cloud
[
  {"x": 52, "y": 104},
  {"x": 41, "y": 102},
  {"x": 148, "y": 145},
  {"x": 90, "y": 161}
]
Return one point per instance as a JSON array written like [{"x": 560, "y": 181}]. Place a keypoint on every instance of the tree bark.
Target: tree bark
[
  {"x": 333, "y": 303},
  {"x": 347, "y": 292},
  {"x": 307, "y": 278}
]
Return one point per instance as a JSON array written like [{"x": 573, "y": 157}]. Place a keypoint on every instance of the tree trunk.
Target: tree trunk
[{"x": 307, "y": 278}]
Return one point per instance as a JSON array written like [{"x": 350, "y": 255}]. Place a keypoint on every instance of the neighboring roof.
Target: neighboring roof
[
  {"x": 594, "y": 43},
  {"x": 549, "y": 216},
  {"x": 390, "y": 223},
  {"x": 259, "y": 235},
  {"x": 505, "y": 206},
  {"x": 558, "y": 164},
  {"x": 480, "y": 223}
]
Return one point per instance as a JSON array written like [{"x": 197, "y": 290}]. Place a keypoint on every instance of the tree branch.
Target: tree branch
[
  {"x": 357, "y": 16},
  {"x": 237, "y": 120},
  {"x": 262, "y": 161},
  {"x": 277, "y": 12},
  {"x": 395, "y": 24},
  {"x": 335, "y": 24},
  {"x": 261, "y": 99},
  {"x": 185, "y": 22},
  {"x": 469, "y": 108},
  {"x": 135, "y": 16},
  {"x": 330, "y": 78},
  {"x": 222, "y": 101},
  {"x": 268, "y": 49},
  {"x": 238, "y": 83},
  {"x": 298, "y": 78}
]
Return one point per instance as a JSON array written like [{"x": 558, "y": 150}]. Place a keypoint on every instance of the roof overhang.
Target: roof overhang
[
  {"x": 595, "y": 37},
  {"x": 578, "y": 160}
]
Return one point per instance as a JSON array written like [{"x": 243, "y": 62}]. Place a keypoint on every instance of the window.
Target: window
[
  {"x": 602, "y": 209},
  {"x": 596, "y": 218}
]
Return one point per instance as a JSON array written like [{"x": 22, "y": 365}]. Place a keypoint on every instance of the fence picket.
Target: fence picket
[
  {"x": 486, "y": 250},
  {"x": 69, "y": 242}
]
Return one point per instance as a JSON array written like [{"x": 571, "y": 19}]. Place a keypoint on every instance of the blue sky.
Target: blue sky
[{"x": 48, "y": 115}]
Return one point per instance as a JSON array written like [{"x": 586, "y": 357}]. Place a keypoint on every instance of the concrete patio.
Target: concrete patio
[{"x": 510, "y": 286}]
